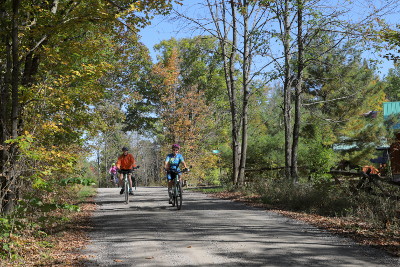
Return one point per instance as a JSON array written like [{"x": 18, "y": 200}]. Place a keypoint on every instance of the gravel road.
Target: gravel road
[{"x": 211, "y": 232}]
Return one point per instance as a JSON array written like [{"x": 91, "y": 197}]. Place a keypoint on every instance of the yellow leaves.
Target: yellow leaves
[
  {"x": 55, "y": 153},
  {"x": 50, "y": 126},
  {"x": 76, "y": 73},
  {"x": 134, "y": 7},
  {"x": 210, "y": 160}
]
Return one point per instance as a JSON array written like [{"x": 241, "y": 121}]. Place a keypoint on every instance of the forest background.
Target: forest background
[{"x": 293, "y": 87}]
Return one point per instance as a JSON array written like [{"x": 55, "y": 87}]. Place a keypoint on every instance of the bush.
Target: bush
[
  {"x": 325, "y": 198},
  {"x": 320, "y": 198},
  {"x": 381, "y": 212}
]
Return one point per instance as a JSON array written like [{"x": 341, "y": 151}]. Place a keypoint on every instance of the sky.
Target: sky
[{"x": 164, "y": 28}]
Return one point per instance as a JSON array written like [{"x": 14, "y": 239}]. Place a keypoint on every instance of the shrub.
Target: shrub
[{"x": 325, "y": 198}]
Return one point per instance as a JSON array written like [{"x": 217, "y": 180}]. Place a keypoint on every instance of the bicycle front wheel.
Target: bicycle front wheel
[
  {"x": 126, "y": 192},
  {"x": 178, "y": 197},
  {"x": 173, "y": 196}
]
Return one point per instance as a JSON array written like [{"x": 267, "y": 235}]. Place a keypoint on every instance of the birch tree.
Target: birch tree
[{"x": 237, "y": 26}]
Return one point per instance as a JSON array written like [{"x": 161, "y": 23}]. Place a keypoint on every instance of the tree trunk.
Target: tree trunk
[
  {"x": 229, "y": 55},
  {"x": 298, "y": 91},
  {"x": 233, "y": 100},
  {"x": 15, "y": 71},
  {"x": 10, "y": 190},
  {"x": 287, "y": 86},
  {"x": 246, "y": 92},
  {"x": 5, "y": 101}
]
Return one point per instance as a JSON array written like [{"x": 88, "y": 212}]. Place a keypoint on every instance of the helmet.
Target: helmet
[
  {"x": 175, "y": 146},
  {"x": 125, "y": 148},
  {"x": 113, "y": 164}
]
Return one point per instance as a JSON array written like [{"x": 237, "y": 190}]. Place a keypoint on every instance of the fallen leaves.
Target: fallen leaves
[{"x": 58, "y": 249}]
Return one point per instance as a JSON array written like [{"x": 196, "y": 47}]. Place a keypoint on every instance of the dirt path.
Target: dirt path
[{"x": 211, "y": 232}]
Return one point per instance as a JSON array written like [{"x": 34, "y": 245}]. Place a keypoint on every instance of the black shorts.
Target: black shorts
[
  {"x": 172, "y": 174},
  {"x": 125, "y": 171}
]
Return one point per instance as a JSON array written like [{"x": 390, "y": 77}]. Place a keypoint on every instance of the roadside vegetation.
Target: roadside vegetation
[
  {"x": 365, "y": 215},
  {"x": 39, "y": 234}
]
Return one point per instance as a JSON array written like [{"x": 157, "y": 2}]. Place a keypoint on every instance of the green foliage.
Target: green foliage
[
  {"x": 321, "y": 198},
  {"x": 208, "y": 190},
  {"x": 392, "y": 80},
  {"x": 77, "y": 180},
  {"x": 200, "y": 64},
  {"x": 32, "y": 204},
  {"x": 86, "y": 191},
  {"x": 36, "y": 215},
  {"x": 392, "y": 38},
  {"x": 212, "y": 176},
  {"x": 323, "y": 156},
  {"x": 77, "y": 60},
  {"x": 266, "y": 136},
  {"x": 339, "y": 91},
  {"x": 198, "y": 67}
]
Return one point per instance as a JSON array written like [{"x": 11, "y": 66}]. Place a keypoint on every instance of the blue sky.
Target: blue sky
[
  {"x": 164, "y": 28},
  {"x": 161, "y": 29}
]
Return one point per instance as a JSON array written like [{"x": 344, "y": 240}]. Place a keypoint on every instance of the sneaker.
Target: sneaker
[{"x": 122, "y": 191}]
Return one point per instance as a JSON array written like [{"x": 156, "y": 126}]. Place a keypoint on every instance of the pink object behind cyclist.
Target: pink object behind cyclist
[{"x": 175, "y": 146}]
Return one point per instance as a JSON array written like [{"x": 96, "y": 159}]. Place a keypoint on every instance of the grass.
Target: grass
[
  {"x": 211, "y": 189},
  {"x": 86, "y": 192}
]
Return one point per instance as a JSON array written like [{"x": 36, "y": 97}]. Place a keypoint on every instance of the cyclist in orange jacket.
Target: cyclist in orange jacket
[{"x": 126, "y": 163}]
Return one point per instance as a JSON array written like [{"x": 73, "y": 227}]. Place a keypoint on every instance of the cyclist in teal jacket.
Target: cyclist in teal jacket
[{"x": 171, "y": 164}]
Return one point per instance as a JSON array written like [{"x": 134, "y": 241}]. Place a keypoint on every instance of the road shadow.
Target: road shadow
[{"x": 221, "y": 227}]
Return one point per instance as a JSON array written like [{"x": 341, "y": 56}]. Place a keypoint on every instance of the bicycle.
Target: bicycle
[
  {"x": 126, "y": 183},
  {"x": 177, "y": 191},
  {"x": 114, "y": 179}
]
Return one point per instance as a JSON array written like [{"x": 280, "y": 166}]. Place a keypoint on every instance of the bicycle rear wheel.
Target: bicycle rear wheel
[{"x": 178, "y": 196}]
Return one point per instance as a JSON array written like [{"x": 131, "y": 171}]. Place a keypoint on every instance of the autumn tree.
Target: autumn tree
[
  {"x": 200, "y": 68},
  {"x": 50, "y": 55},
  {"x": 182, "y": 109}
]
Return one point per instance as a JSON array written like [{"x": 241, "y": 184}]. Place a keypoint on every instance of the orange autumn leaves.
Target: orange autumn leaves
[
  {"x": 183, "y": 109},
  {"x": 183, "y": 113}
]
